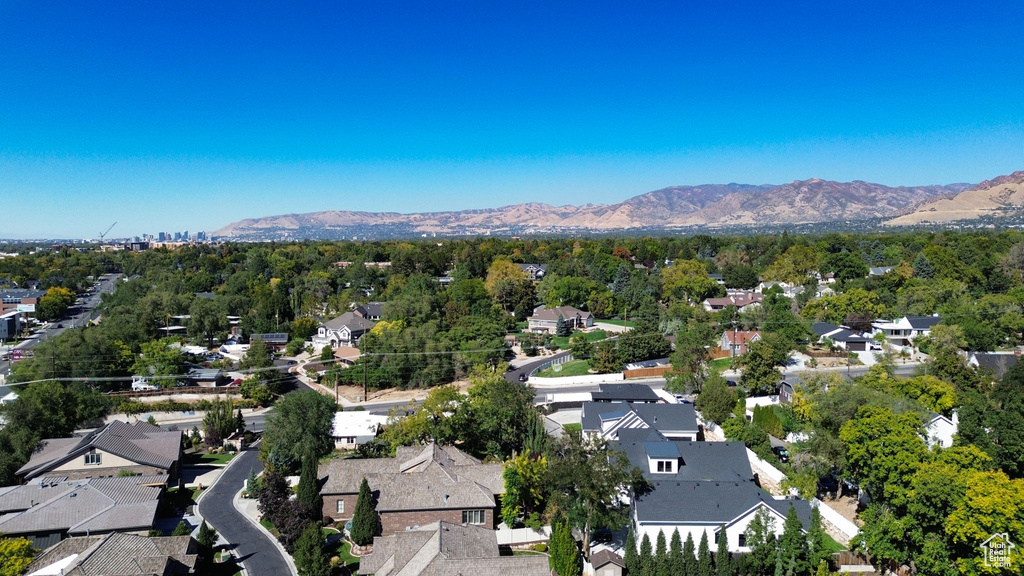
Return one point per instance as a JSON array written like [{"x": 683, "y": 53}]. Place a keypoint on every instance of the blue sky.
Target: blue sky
[{"x": 192, "y": 115}]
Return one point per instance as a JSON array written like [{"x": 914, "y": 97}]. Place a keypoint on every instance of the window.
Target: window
[
  {"x": 743, "y": 540},
  {"x": 665, "y": 466},
  {"x": 473, "y": 516},
  {"x": 341, "y": 506},
  {"x": 92, "y": 457}
]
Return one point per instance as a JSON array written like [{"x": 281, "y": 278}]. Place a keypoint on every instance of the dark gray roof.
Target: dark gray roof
[
  {"x": 271, "y": 338},
  {"x": 664, "y": 449},
  {"x": 707, "y": 461},
  {"x": 140, "y": 442},
  {"x": 371, "y": 310},
  {"x": 710, "y": 503},
  {"x": 625, "y": 393},
  {"x": 822, "y": 328},
  {"x": 204, "y": 374},
  {"x": 21, "y": 293},
  {"x": 995, "y": 363},
  {"x": 205, "y": 295},
  {"x": 657, "y": 416},
  {"x": 923, "y": 322}
]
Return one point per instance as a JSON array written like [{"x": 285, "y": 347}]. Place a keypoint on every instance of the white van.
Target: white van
[{"x": 139, "y": 384}]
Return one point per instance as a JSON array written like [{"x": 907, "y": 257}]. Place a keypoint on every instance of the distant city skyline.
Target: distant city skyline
[{"x": 196, "y": 115}]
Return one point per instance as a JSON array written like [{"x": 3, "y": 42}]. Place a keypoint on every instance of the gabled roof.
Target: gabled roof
[
  {"x": 710, "y": 503},
  {"x": 824, "y": 328},
  {"x": 741, "y": 336},
  {"x": 370, "y": 310},
  {"x": 82, "y": 506},
  {"x": 994, "y": 362},
  {"x": 566, "y": 312},
  {"x": 705, "y": 461},
  {"x": 922, "y": 322},
  {"x": 668, "y": 417},
  {"x": 120, "y": 554},
  {"x": 140, "y": 442},
  {"x": 625, "y": 393},
  {"x": 352, "y": 321},
  {"x": 737, "y": 300},
  {"x": 446, "y": 549}
]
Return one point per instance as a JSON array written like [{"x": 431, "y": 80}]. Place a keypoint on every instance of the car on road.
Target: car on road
[
  {"x": 61, "y": 325},
  {"x": 524, "y": 377}
]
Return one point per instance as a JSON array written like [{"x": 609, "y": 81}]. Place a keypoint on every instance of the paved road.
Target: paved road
[{"x": 256, "y": 551}]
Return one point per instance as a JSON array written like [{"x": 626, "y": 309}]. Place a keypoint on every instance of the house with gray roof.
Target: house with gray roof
[
  {"x": 534, "y": 272},
  {"x": 370, "y": 311},
  {"x": 420, "y": 485},
  {"x": 841, "y": 336},
  {"x": 445, "y": 548},
  {"x": 635, "y": 393},
  {"x": 53, "y": 508},
  {"x": 994, "y": 363},
  {"x": 608, "y": 419},
  {"x": 545, "y": 320},
  {"x": 120, "y": 554},
  {"x": 139, "y": 448},
  {"x": 345, "y": 330},
  {"x": 699, "y": 487}
]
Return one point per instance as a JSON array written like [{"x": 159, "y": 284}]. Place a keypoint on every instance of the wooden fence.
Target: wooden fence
[{"x": 656, "y": 372}]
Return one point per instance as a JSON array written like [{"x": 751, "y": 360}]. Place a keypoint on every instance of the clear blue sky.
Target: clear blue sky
[{"x": 191, "y": 115}]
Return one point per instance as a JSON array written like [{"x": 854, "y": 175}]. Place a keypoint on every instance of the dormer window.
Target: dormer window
[{"x": 665, "y": 466}]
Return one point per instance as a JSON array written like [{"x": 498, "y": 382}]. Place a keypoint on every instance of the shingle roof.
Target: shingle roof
[
  {"x": 90, "y": 505},
  {"x": 923, "y": 322},
  {"x": 713, "y": 461},
  {"x": 140, "y": 442},
  {"x": 370, "y": 310},
  {"x": 446, "y": 549},
  {"x": 712, "y": 503},
  {"x": 566, "y": 312},
  {"x": 121, "y": 555},
  {"x": 995, "y": 363},
  {"x": 354, "y": 322},
  {"x": 625, "y": 392},
  {"x": 21, "y": 293},
  {"x": 658, "y": 416},
  {"x": 419, "y": 478}
]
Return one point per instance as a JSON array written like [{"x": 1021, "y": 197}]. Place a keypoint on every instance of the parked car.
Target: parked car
[
  {"x": 828, "y": 485},
  {"x": 781, "y": 453}
]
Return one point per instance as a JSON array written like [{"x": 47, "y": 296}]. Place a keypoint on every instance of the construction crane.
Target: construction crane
[{"x": 104, "y": 234}]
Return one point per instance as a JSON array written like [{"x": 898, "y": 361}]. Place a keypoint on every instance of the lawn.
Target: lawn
[
  {"x": 833, "y": 546},
  {"x": 720, "y": 365},
  {"x": 563, "y": 341},
  {"x": 344, "y": 553},
  {"x": 617, "y": 322},
  {"x": 571, "y": 368}
]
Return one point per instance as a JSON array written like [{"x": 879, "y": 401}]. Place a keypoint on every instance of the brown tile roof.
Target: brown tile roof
[
  {"x": 140, "y": 442},
  {"x": 121, "y": 555}
]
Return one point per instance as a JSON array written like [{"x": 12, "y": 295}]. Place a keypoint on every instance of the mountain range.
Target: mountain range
[{"x": 677, "y": 207}]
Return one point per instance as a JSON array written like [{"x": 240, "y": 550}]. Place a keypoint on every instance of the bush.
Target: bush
[
  {"x": 542, "y": 547},
  {"x": 766, "y": 419}
]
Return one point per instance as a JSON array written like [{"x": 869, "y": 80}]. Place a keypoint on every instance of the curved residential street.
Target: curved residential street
[{"x": 251, "y": 546}]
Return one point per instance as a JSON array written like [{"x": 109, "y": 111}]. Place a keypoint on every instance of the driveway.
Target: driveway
[{"x": 253, "y": 548}]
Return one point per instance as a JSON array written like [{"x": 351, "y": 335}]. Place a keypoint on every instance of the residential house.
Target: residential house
[
  {"x": 120, "y": 554},
  {"x": 206, "y": 377},
  {"x": 277, "y": 341},
  {"x": 940, "y": 430},
  {"x": 735, "y": 342},
  {"x": 373, "y": 311},
  {"x": 788, "y": 290},
  {"x": 443, "y": 548},
  {"x": 50, "y": 509},
  {"x": 534, "y": 272},
  {"x": 740, "y": 300},
  {"x": 352, "y": 429},
  {"x": 545, "y": 319},
  {"x": 995, "y": 363},
  {"x": 841, "y": 336},
  {"x": 420, "y": 485},
  {"x": 634, "y": 393},
  {"x": 20, "y": 300},
  {"x": 901, "y": 332},
  {"x": 699, "y": 487},
  {"x": 345, "y": 330},
  {"x": 609, "y": 420},
  {"x": 880, "y": 270},
  {"x": 717, "y": 278},
  {"x": 118, "y": 447}
]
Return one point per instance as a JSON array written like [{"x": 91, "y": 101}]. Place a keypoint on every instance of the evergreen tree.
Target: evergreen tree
[
  {"x": 723, "y": 559},
  {"x": 365, "y": 522},
  {"x": 207, "y": 539},
  {"x": 646, "y": 557},
  {"x": 310, "y": 557},
  {"x": 689, "y": 556},
  {"x": 817, "y": 541},
  {"x": 239, "y": 421},
  {"x": 793, "y": 546},
  {"x": 309, "y": 488},
  {"x": 252, "y": 484},
  {"x": 675, "y": 554},
  {"x": 562, "y": 327},
  {"x": 630, "y": 557},
  {"x": 923, "y": 267},
  {"x": 761, "y": 541},
  {"x": 182, "y": 529},
  {"x": 564, "y": 554},
  {"x": 662, "y": 562},
  {"x": 704, "y": 564}
]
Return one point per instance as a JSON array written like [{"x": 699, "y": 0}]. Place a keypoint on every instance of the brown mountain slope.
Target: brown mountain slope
[
  {"x": 798, "y": 202},
  {"x": 997, "y": 197}
]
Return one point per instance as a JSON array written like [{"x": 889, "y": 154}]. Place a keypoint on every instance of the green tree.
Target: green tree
[
  {"x": 760, "y": 373},
  {"x": 662, "y": 566},
  {"x": 687, "y": 281},
  {"x": 162, "y": 361},
  {"x": 818, "y": 550},
  {"x": 883, "y": 450},
  {"x": 207, "y": 539},
  {"x": 501, "y": 413},
  {"x": 716, "y": 401},
  {"x": 606, "y": 359},
  {"x": 923, "y": 267},
  {"x": 705, "y": 567},
  {"x": 219, "y": 423},
  {"x": 525, "y": 489},
  {"x": 564, "y": 554},
  {"x": 206, "y": 319},
  {"x": 675, "y": 554},
  {"x": 629, "y": 556},
  {"x": 257, "y": 359},
  {"x": 15, "y": 555},
  {"x": 308, "y": 493},
  {"x": 793, "y": 546},
  {"x": 561, "y": 328},
  {"x": 689, "y": 555},
  {"x": 182, "y": 529},
  {"x": 646, "y": 557},
  {"x": 55, "y": 303},
  {"x": 585, "y": 477},
  {"x": 762, "y": 543},
  {"x": 580, "y": 346},
  {"x": 365, "y": 521},
  {"x": 300, "y": 424},
  {"x": 326, "y": 353},
  {"x": 723, "y": 559},
  {"x": 311, "y": 558}
]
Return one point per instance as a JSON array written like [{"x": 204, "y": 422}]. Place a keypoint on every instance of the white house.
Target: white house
[
  {"x": 352, "y": 429},
  {"x": 699, "y": 487},
  {"x": 670, "y": 421},
  {"x": 345, "y": 330},
  {"x": 901, "y": 332},
  {"x": 939, "y": 430}
]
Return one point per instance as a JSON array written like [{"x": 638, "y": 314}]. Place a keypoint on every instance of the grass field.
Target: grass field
[
  {"x": 617, "y": 322},
  {"x": 199, "y": 459},
  {"x": 720, "y": 365},
  {"x": 563, "y": 341},
  {"x": 571, "y": 368}
]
